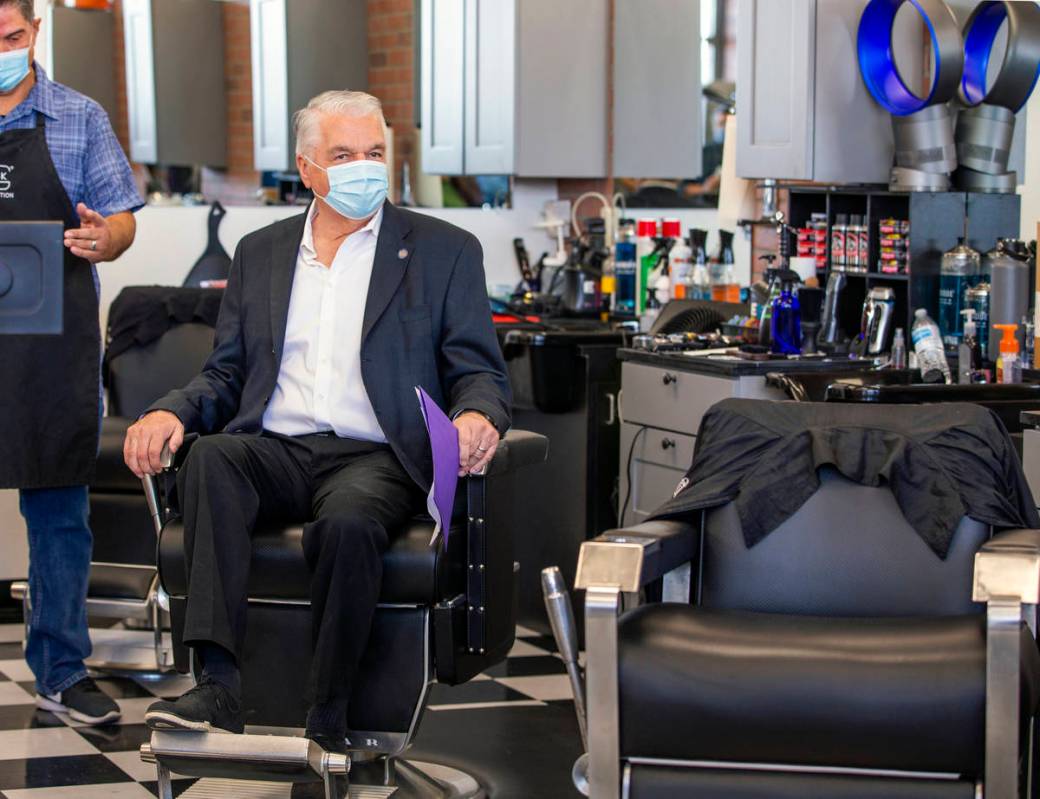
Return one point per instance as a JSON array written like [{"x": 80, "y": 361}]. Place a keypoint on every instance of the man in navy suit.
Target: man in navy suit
[{"x": 329, "y": 322}]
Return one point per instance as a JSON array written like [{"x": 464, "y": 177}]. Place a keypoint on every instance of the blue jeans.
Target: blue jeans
[{"x": 60, "y": 545}]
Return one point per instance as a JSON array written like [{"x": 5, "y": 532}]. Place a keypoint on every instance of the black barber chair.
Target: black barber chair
[
  {"x": 445, "y": 615},
  {"x": 837, "y": 657},
  {"x": 124, "y": 584}
]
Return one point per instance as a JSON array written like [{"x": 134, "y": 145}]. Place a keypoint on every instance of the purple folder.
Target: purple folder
[{"x": 444, "y": 443}]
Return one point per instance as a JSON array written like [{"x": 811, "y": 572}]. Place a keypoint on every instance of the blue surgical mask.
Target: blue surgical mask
[
  {"x": 357, "y": 188},
  {"x": 14, "y": 66}
]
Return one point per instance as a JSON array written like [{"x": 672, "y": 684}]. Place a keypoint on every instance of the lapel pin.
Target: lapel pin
[{"x": 402, "y": 253}]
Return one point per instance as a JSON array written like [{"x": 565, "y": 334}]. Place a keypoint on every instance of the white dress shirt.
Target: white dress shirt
[{"x": 319, "y": 386}]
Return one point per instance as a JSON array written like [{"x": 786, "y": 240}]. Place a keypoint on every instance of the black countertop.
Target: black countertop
[{"x": 733, "y": 366}]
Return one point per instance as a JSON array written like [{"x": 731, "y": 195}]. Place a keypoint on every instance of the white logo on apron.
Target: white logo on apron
[{"x": 5, "y": 182}]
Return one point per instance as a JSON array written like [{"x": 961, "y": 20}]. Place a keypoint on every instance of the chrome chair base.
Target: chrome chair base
[
  {"x": 265, "y": 766},
  {"x": 143, "y": 647}
]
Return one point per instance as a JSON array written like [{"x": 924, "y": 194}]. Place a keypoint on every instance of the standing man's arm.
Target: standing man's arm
[
  {"x": 100, "y": 238},
  {"x": 107, "y": 225}
]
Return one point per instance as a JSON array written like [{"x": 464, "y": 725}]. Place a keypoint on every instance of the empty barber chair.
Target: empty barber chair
[
  {"x": 445, "y": 615},
  {"x": 839, "y": 656},
  {"x": 158, "y": 338}
]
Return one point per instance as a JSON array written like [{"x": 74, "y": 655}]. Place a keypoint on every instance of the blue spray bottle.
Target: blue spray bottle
[{"x": 787, "y": 317}]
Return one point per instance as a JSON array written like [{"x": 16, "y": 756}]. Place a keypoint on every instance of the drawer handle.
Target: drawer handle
[
  {"x": 667, "y": 443},
  {"x": 669, "y": 378}
]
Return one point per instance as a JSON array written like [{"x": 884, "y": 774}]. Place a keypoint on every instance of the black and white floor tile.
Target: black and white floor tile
[{"x": 513, "y": 727}]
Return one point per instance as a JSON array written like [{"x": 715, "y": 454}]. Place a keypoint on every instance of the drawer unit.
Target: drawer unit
[
  {"x": 669, "y": 399},
  {"x": 676, "y": 400},
  {"x": 659, "y": 460}
]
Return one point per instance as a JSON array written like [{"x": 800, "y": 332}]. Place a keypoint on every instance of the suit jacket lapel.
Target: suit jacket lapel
[
  {"x": 283, "y": 266},
  {"x": 391, "y": 262}
]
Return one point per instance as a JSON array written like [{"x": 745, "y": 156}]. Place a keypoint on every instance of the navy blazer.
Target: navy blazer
[{"x": 427, "y": 323}]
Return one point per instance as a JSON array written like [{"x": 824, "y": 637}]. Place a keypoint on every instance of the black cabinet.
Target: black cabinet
[
  {"x": 565, "y": 386},
  {"x": 936, "y": 219}
]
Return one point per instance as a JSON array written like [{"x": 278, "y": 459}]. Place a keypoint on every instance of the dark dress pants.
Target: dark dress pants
[{"x": 355, "y": 495}]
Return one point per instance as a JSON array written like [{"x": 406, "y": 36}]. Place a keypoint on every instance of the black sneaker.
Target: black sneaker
[
  {"x": 83, "y": 702},
  {"x": 208, "y": 707}
]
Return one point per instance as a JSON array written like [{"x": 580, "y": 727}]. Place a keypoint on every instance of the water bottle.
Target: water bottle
[
  {"x": 928, "y": 345},
  {"x": 1009, "y": 288},
  {"x": 960, "y": 270},
  {"x": 898, "y": 359}
]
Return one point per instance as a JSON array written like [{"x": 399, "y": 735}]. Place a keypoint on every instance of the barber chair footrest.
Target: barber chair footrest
[{"x": 257, "y": 759}]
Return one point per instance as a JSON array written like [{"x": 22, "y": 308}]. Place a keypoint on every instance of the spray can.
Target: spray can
[
  {"x": 646, "y": 231},
  {"x": 838, "y": 233}
]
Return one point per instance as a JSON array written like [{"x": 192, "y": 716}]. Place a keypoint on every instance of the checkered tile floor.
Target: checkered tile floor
[{"x": 46, "y": 756}]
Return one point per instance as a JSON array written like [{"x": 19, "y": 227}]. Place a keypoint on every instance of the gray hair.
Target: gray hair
[
  {"x": 25, "y": 6},
  {"x": 340, "y": 101}
]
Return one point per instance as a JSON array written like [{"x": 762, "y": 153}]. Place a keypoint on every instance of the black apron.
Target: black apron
[{"x": 49, "y": 392}]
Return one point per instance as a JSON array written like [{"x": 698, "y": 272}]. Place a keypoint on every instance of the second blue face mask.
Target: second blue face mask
[
  {"x": 14, "y": 66},
  {"x": 356, "y": 189}
]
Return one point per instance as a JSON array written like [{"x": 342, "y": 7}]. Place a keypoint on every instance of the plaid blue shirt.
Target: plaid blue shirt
[{"x": 90, "y": 163}]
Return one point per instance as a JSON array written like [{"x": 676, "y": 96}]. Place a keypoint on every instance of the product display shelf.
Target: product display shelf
[{"x": 936, "y": 219}]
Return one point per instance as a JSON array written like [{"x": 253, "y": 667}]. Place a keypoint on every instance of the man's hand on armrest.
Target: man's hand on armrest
[
  {"x": 145, "y": 439},
  {"x": 478, "y": 440}
]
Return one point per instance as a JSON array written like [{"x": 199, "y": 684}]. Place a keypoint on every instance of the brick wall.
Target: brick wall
[
  {"x": 239, "y": 182},
  {"x": 391, "y": 73}
]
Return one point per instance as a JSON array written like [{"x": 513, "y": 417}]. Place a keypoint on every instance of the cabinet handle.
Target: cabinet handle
[
  {"x": 669, "y": 378},
  {"x": 667, "y": 443},
  {"x": 612, "y": 412}
]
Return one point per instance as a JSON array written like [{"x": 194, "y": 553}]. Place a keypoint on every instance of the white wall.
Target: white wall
[{"x": 169, "y": 240}]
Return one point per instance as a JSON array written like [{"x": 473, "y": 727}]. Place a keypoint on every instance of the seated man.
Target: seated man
[{"x": 329, "y": 322}]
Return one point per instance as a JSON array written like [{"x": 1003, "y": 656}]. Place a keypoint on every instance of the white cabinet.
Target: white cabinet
[
  {"x": 271, "y": 105},
  {"x": 803, "y": 111},
  {"x": 443, "y": 89},
  {"x": 520, "y": 87},
  {"x": 299, "y": 49},
  {"x": 490, "y": 33},
  {"x": 503, "y": 92},
  {"x": 467, "y": 51},
  {"x": 140, "y": 80},
  {"x": 657, "y": 89},
  {"x": 175, "y": 82}
]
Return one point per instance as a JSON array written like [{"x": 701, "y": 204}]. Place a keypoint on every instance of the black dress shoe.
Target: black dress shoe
[{"x": 208, "y": 707}]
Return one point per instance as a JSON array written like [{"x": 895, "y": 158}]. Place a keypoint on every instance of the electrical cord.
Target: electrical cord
[{"x": 628, "y": 473}]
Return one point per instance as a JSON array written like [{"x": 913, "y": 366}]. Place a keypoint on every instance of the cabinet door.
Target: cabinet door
[
  {"x": 140, "y": 80},
  {"x": 442, "y": 27},
  {"x": 775, "y": 88},
  {"x": 561, "y": 88},
  {"x": 657, "y": 86},
  {"x": 267, "y": 26},
  {"x": 490, "y": 70},
  {"x": 659, "y": 460}
]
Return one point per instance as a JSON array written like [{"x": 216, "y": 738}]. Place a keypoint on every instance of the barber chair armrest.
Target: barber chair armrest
[
  {"x": 158, "y": 488},
  {"x": 615, "y": 564},
  {"x": 1007, "y": 579},
  {"x": 518, "y": 448},
  {"x": 1007, "y": 567},
  {"x": 631, "y": 558}
]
